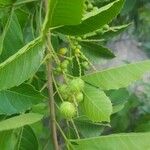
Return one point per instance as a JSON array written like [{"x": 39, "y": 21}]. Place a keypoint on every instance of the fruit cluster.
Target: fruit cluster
[
  {"x": 63, "y": 65},
  {"x": 88, "y": 7},
  {"x": 76, "y": 47},
  {"x": 71, "y": 92},
  {"x": 104, "y": 29},
  {"x": 72, "y": 95}
]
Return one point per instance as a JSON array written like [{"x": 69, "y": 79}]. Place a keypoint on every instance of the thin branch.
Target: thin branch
[
  {"x": 50, "y": 89},
  {"x": 64, "y": 136},
  {"x": 75, "y": 128},
  {"x": 51, "y": 98}
]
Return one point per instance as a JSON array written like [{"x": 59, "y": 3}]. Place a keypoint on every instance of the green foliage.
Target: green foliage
[
  {"x": 7, "y": 140},
  {"x": 19, "y": 99},
  {"x": 98, "y": 51},
  {"x": 19, "y": 121},
  {"x": 96, "y": 104},
  {"x": 27, "y": 139},
  {"x": 60, "y": 14},
  {"x": 48, "y": 52},
  {"x": 5, "y": 3},
  {"x": 12, "y": 32},
  {"x": 114, "y": 142},
  {"x": 31, "y": 53},
  {"x": 94, "y": 20},
  {"x": 118, "y": 77}
]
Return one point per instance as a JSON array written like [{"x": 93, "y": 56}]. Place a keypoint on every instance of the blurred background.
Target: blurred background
[{"x": 132, "y": 45}]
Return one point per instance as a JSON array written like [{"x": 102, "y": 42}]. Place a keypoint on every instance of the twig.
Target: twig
[
  {"x": 50, "y": 89},
  {"x": 64, "y": 136},
  {"x": 75, "y": 128},
  {"x": 51, "y": 98}
]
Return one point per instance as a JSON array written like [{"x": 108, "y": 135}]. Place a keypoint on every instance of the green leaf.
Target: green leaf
[
  {"x": 96, "y": 105},
  {"x": 41, "y": 108},
  {"x": 88, "y": 129},
  {"x": 94, "y": 20},
  {"x": 63, "y": 12},
  {"x": 118, "y": 98},
  {"x": 5, "y": 2},
  {"x": 143, "y": 127},
  {"x": 122, "y": 121},
  {"x": 27, "y": 140},
  {"x": 5, "y": 28},
  {"x": 20, "y": 121},
  {"x": 21, "y": 2},
  {"x": 7, "y": 140},
  {"x": 118, "y": 77},
  {"x": 94, "y": 51},
  {"x": 22, "y": 65},
  {"x": 12, "y": 38},
  {"x": 131, "y": 141},
  {"x": 19, "y": 99}
]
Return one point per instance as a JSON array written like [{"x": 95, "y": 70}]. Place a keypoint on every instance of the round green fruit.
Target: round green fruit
[
  {"x": 90, "y": 6},
  {"x": 79, "y": 46},
  {"x": 79, "y": 38},
  {"x": 68, "y": 110},
  {"x": 101, "y": 31},
  {"x": 73, "y": 47},
  {"x": 76, "y": 85},
  {"x": 85, "y": 7},
  {"x": 63, "y": 89},
  {"x": 58, "y": 69},
  {"x": 77, "y": 51},
  {"x": 85, "y": 65},
  {"x": 65, "y": 70},
  {"x": 79, "y": 97},
  {"x": 106, "y": 27},
  {"x": 75, "y": 43},
  {"x": 95, "y": 8},
  {"x": 64, "y": 64},
  {"x": 63, "y": 51}
]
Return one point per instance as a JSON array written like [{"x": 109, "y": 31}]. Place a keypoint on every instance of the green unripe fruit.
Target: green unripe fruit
[
  {"x": 106, "y": 27},
  {"x": 101, "y": 31},
  {"x": 95, "y": 8},
  {"x": 72, "y": 37},
  {"x": 65, "y": 70},
  {"x": 90, "y": 6},
  {"x": 79, "y": 46},
  {"x": 80, "y": 82},
  {"x": 79, "y": 38},
  {"x": 64, "y": 91},
  {"x": 76, "y": 85},
  {"x": 77, "y": 51},
  {"x": 85, "y": 7},
  {"x": 67, "y": 110},
  {"x": 58, "y": 69},
  {"x": 64, "y": 64},
  {"x": 63, "y": 51},
  {"x": 84, "y": 36},
  {"x": 85, "y": 65},
  {"x": 75, "y": 43},
  {"x": 73, "y": 47},
  {"x": 79, "y": 97}
]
